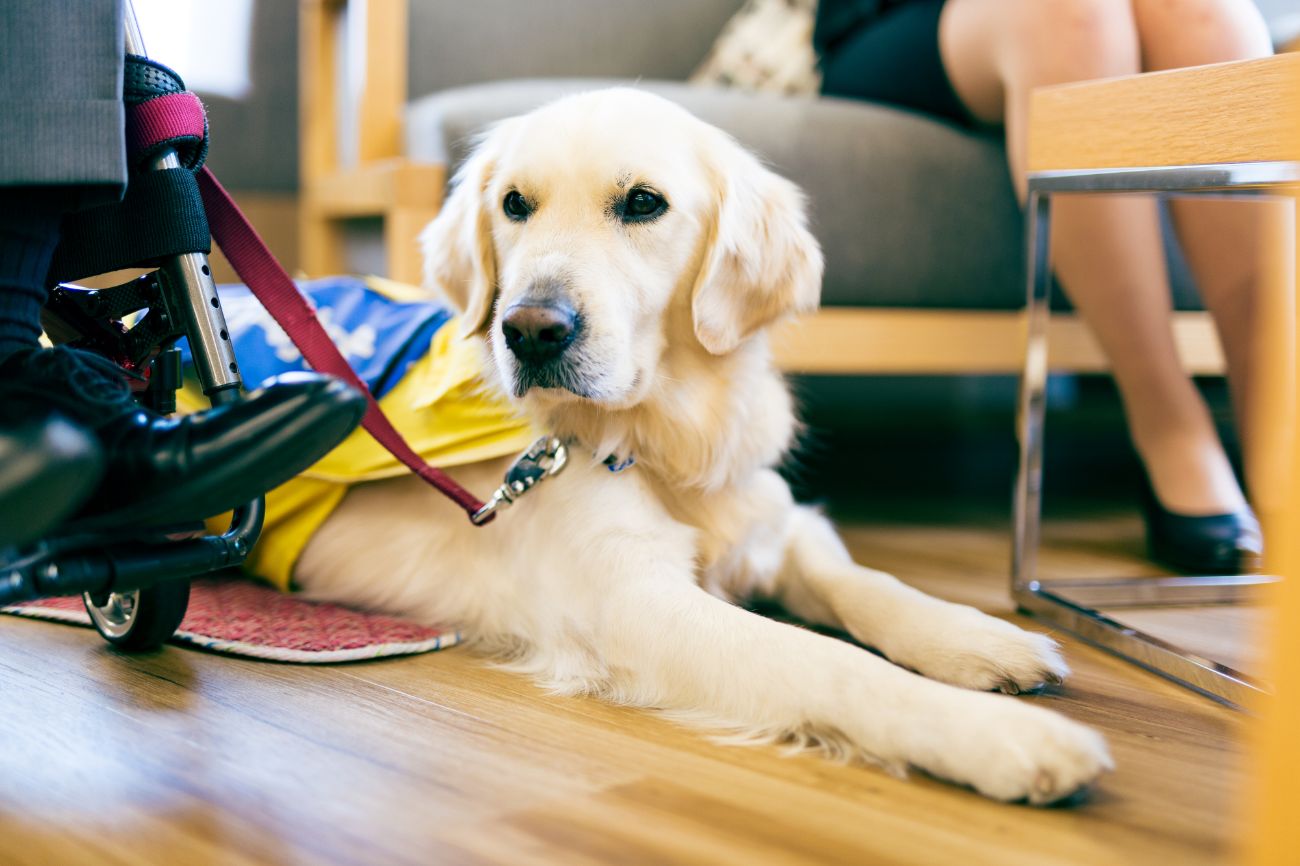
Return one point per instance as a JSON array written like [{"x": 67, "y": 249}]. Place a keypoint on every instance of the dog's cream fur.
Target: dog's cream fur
[{"x": 619, "y": 584}]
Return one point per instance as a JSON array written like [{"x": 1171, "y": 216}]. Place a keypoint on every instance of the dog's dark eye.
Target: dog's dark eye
[
  {"x": 515, "y": 206},
  {"x": 642, "y": 205}
]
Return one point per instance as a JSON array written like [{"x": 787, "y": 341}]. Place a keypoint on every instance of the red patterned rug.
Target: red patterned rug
[{"x": 243, "y": 618}]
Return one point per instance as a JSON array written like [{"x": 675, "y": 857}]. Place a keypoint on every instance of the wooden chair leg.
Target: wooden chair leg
[
  {"x": 321, "y": 244},
  {"x": 402, "y": 227}
]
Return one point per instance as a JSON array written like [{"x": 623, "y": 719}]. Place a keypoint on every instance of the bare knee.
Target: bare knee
[
  {"x": 1057, "y": 41},
  {"x": 1177, "y": 33}
]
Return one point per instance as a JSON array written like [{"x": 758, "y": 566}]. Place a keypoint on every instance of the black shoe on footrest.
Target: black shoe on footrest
[
  {"x": 188, "y": 467},
  {"x": 48, "y": 466}
]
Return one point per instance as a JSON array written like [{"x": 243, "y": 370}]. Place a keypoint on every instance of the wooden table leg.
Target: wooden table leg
[{"x": 1270, "y": 813}]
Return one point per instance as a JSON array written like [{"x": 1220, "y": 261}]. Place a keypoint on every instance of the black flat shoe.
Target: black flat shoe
[
  {"x": 177, "y": 470},
  {"x": 1217, "y": 544}
]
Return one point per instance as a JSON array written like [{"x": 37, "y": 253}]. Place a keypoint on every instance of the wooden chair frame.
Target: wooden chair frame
[{"x": 406, "y": 195}]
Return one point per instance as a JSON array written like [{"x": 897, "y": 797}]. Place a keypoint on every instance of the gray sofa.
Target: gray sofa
[{"x": 912, "y": 211}]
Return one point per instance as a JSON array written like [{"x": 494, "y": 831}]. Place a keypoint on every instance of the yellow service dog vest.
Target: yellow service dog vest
[{"x": 436, "y": 399}]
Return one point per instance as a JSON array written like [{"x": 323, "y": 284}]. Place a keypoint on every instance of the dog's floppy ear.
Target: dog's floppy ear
[
  {"x": 459, "y": 256},
  {"x": 761, "y": 263}
]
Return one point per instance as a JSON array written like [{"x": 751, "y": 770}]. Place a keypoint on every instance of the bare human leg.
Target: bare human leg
[
  {"x": 1108, "y": 250},
  {"x": 1225, "y": 241}
]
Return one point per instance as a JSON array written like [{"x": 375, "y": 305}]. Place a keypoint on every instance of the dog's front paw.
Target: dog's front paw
[
  {"x": 964, "y": 647},
  {"x": 1025, "y": 753}
]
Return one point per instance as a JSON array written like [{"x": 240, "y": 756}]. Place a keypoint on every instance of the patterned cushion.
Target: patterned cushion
[{"x": 766, "y": 47}]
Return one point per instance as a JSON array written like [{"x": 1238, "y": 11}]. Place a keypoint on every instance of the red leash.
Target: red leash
[
  {"x": 276, "y": 291},
  {"x": 179, "y": 117}
]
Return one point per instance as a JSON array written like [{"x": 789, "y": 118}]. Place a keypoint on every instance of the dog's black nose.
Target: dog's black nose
[{"x": 538, "y": 332}]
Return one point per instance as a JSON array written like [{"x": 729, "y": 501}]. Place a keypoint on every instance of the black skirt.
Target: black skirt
[{"x": 886, "y": 51}]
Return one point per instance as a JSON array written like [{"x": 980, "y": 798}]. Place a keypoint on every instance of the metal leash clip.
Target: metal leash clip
[{"x": 544, "y": 458}]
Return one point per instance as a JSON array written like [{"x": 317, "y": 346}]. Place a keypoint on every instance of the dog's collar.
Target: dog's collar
[{"x": 617, "y": 463}]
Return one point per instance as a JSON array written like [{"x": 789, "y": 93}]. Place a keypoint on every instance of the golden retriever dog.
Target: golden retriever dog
[{"x": 620, "y": 261}]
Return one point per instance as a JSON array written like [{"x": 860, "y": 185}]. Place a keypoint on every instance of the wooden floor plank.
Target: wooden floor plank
[{"x": 184, "y": 756}]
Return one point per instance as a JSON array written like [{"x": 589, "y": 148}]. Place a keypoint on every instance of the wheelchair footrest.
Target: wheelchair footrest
[{"x": 103, "y": 564}]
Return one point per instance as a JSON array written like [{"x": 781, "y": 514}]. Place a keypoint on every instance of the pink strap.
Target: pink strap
[
  {"x": 164, "y": 118},
  {"x": 272, "y": 286}
]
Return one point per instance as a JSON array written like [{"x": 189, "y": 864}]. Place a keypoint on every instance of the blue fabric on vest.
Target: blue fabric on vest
[{"x": 380, "y": 337}]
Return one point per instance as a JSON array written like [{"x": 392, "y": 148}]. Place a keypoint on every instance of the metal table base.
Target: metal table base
[{"x": 1076, "y": 605}]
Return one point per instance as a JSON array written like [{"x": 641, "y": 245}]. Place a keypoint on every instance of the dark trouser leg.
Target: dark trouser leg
[{"x": 29, "y": 231}]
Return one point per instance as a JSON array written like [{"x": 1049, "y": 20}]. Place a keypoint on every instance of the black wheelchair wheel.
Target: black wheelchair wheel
[{"x": 142, "y": 619}]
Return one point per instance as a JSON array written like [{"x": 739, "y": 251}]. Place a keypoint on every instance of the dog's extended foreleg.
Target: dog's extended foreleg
[
  {"x": 665, "y": 643},
  {"x": 953, "y": 643}
]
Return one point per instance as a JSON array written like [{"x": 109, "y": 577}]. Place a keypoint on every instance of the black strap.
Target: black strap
[
  {"x": 144, "y": 79},
  {"x": 161, "y": 215}
]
